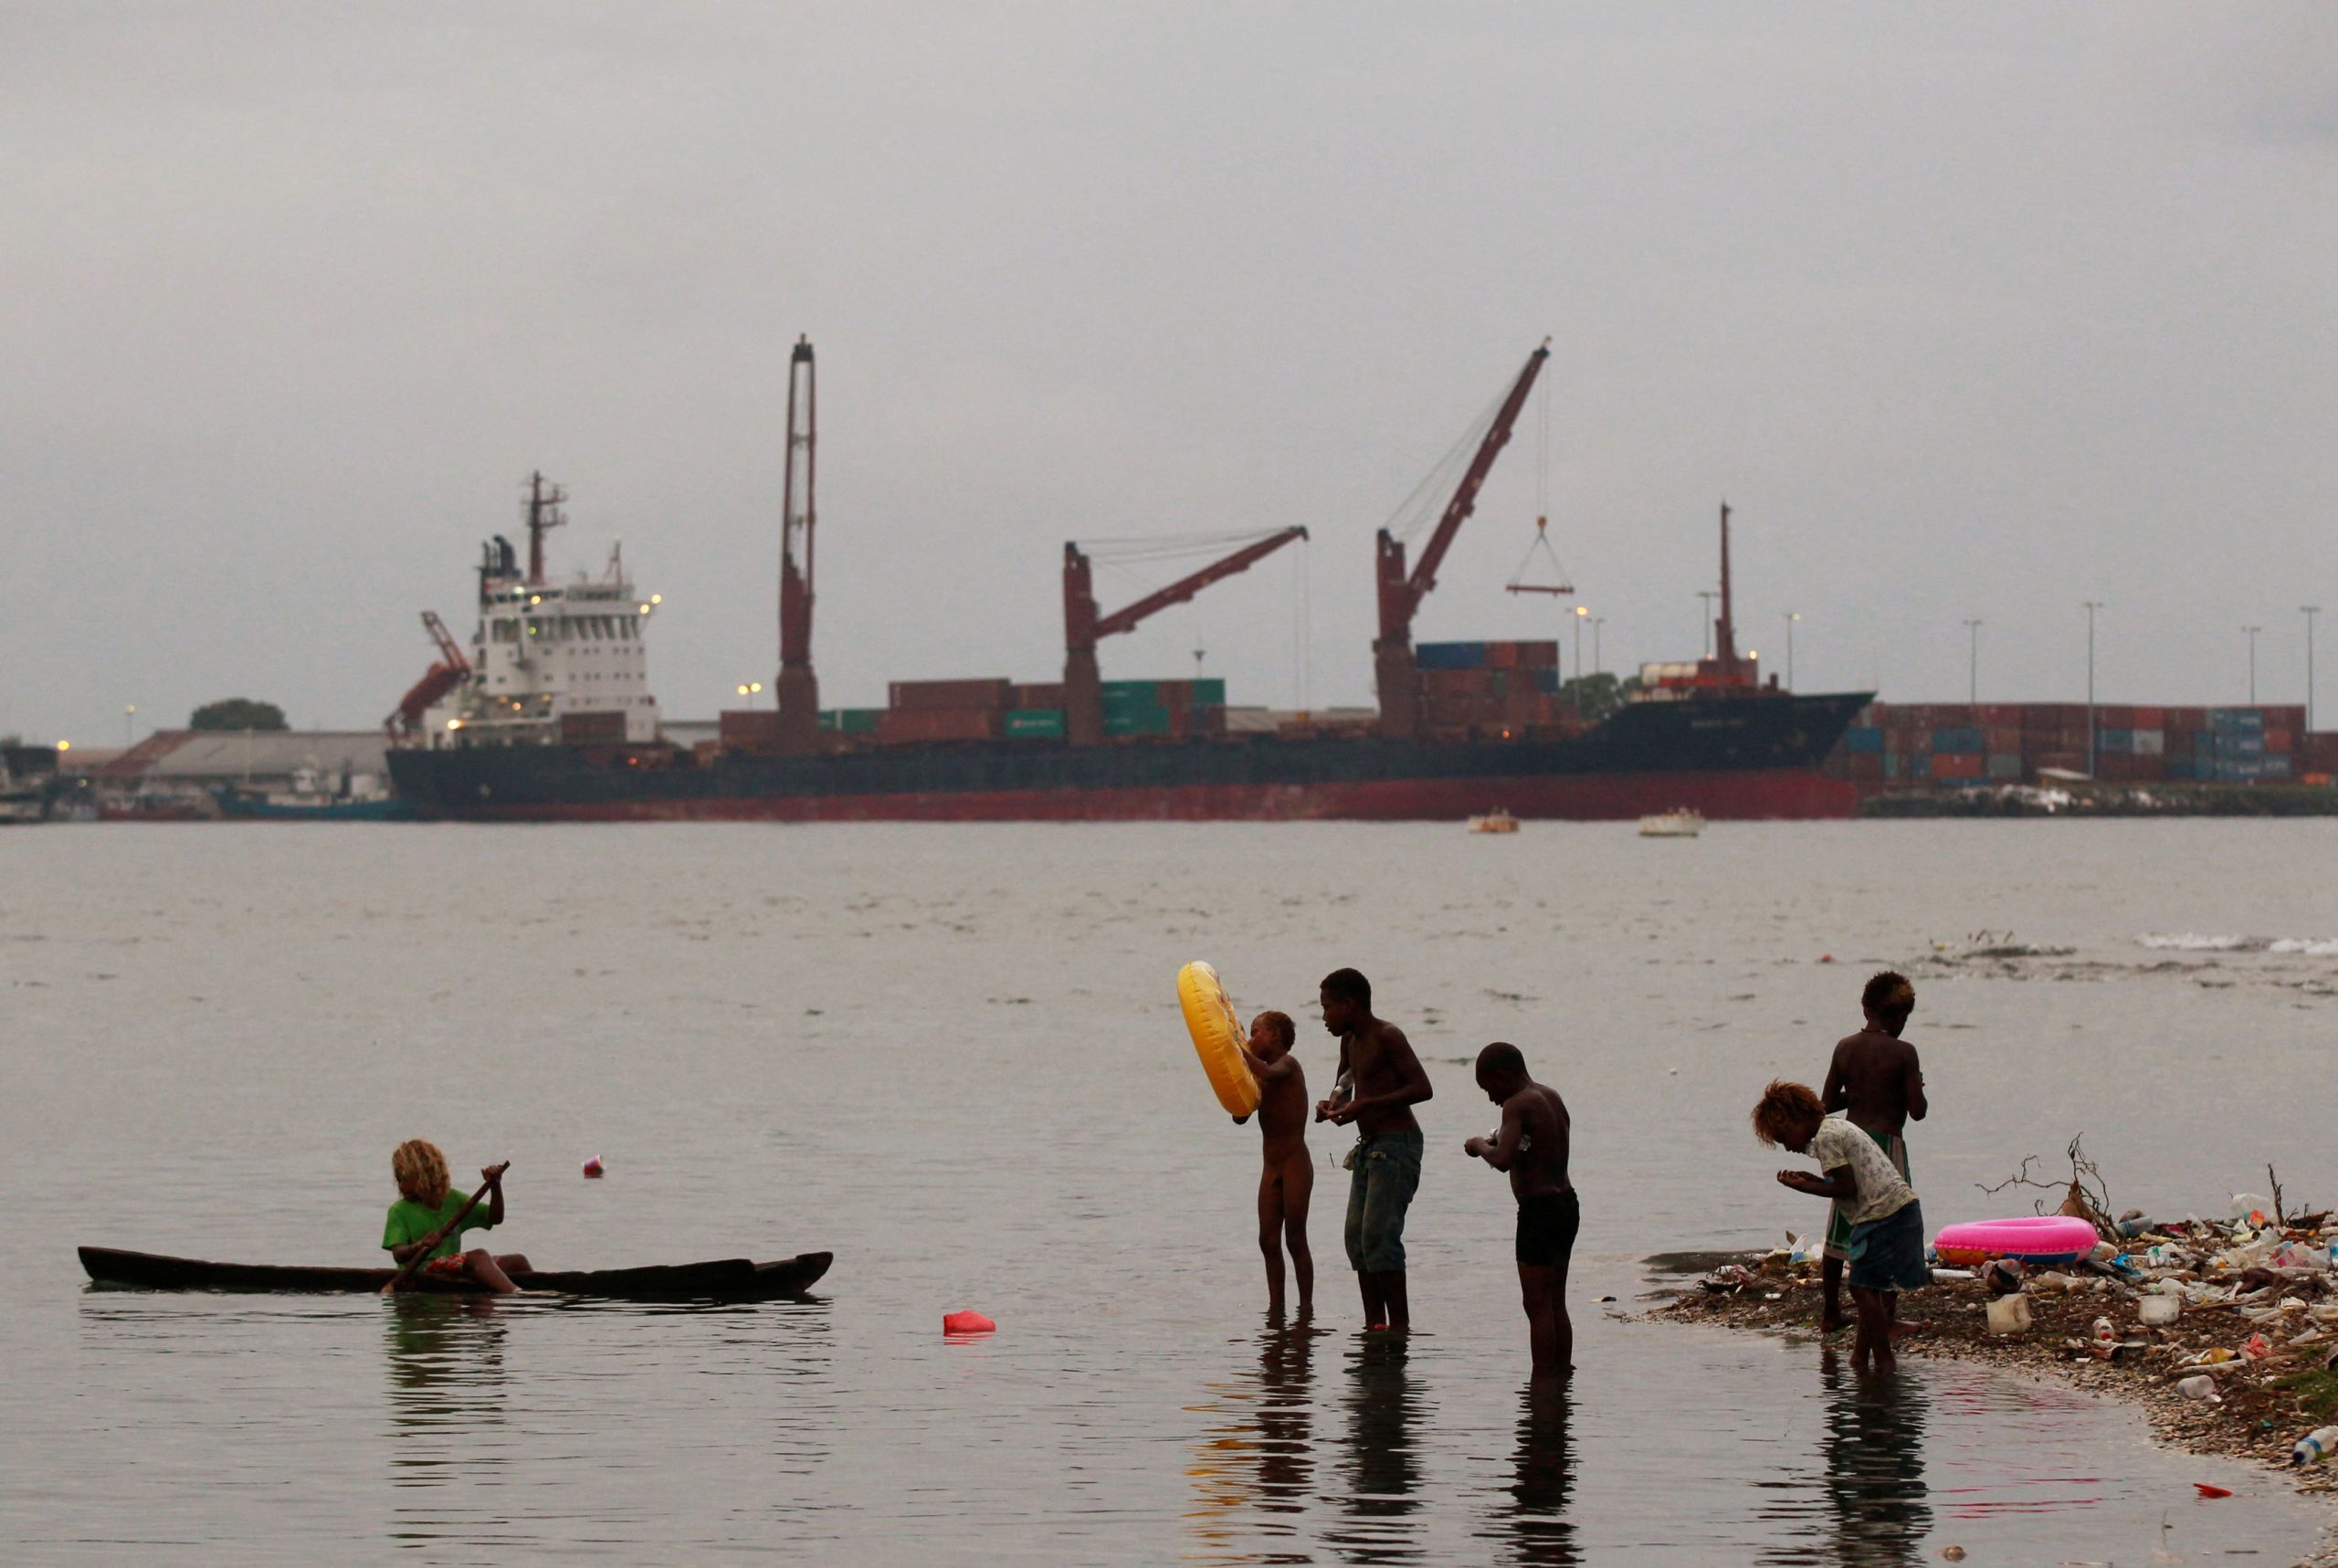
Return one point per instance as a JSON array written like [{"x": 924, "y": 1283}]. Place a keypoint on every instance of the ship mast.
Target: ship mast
[
  {"x": 798, "y": 687},
  {"x": 543, "y": 516},
  {"x": 1725, "y": 628}
]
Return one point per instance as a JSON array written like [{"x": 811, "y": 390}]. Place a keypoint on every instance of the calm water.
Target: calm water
[{"x": 952, "y": 1056}]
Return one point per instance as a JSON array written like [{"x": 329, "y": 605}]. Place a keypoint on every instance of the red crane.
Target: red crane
[
  {"x": 799, "y": 687},
  {"x": 1401, "y": 593},
  {"x": 452, "y": 669},
  {"x": 1084, "y": 627}
]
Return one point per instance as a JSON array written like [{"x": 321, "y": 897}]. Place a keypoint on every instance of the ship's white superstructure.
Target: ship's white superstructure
[{"x": 551, "y": 662}]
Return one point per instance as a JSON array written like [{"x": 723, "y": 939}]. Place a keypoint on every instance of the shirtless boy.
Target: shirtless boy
[
  {"x": 1388, "y": 1159},
  {"x": 1531, "y": 1145},
  {"x": 1289, "y": 1179},
  {"x": 1877, "y": 1084}
]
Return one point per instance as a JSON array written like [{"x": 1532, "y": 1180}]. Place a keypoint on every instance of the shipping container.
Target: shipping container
[
  {"x": 1863, "y": 740},
  {"x": 1959, "y": 765},
  {"x": 903, "y": 726},
  {"x": 961, "y": 696},
  {"x": 1035, "y": 724},
  {"x": 2277, "y": 767},
  {"x": 748, "y": 727},
  {"x": 603, "y": 729},
  {"x": 1044, "y": 694},
  {"x": 2004, "y": 768},
  {"x": 2277, "y": 740},
  {"x": 1449, "y": 655},
  {"x": 2241, "y": 744},
  {"x": 2236, "y": 719},
  {"x": 2115, "y": 741},
  {"x": 1456, "y": 682},
  {"x": 1537, "y": 654},
  {"x": 2149, "y": 742},
  {"x": 1547, "y": 681},
  {"x": 1957, "y": 740}
]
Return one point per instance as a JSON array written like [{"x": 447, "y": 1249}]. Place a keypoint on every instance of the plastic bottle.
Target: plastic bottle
[
  {"x": 2315, "y": 1446},
  {"x": 2202, "y": 1387}
]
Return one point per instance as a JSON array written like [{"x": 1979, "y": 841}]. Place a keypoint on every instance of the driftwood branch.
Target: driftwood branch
[{"x": 2084, "y": 1195}]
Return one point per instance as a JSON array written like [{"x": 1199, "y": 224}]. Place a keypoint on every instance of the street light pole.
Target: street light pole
[
  {"x": 1972, "y": 670},
  {"x": 1581, "y": 615},
  {"x": 2310, "y": 611},
  {"x": 1598, "y": 665},
  {"x": 2251, "y": 632},
  {"x": 1790, "y": 616},
  {"x": 1705, "y": 643},
  {"x": 2092, "y": 605},
  {"x": 129, "y": 718}
]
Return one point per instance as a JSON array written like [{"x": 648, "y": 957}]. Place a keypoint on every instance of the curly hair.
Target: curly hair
[
  {"x": 1284, "y": 1029},
  {"x": 1783, "y": 1108},
  {"x": 1889, "y": 997},
  {"x": 421, "y": 1172}
]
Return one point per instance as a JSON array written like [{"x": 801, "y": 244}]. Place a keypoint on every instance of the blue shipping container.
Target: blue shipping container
[
  {"x": 2236, "y": 719},
  {"x": 1449, "y": 655},
  {"x": 2115, "y": 741},
  {"x": 1862, "y": 739},
  {"x": 2236, "y": 743},
  {"x": 1956, "y": 739}
]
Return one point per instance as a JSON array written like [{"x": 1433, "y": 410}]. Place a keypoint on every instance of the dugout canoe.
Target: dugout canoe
[{"x": 722, "y": 1279}]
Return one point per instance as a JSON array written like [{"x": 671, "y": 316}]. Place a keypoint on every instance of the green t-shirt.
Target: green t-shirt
[{"x": 409, "y": 1222}]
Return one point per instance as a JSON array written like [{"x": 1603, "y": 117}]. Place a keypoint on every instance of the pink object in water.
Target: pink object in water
[
  {"x": 593, "y": 1166},
  {"x": 967, "y": 1323}
]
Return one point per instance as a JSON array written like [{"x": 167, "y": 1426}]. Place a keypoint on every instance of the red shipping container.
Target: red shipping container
[
  {"x": 2279, "y": 742},
  {"x": 1537, "y": 654},
  {"x": 748, "y": 727},
  {"x": 1502, "y": 656},
  {"x": 2150, "y": 718},
  {"x": 1959, "y": 765},
  {"x": 1865, "y": 765},
  {"x": 1048, "y": 695},
  {"x": 1456, "y": 682},
  {"x": 960, "y": 695},
  {"x": 898, "y": 726}
]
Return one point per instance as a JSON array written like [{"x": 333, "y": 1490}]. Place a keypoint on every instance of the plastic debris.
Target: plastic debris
[
  {"x": 2206, "y": 1490},
  {"x": 2009, "y": 1314},
  {"x": 1951, "y": 1553},
  {"x": 593, "y": 1166},
  {"x": 966, "y": 1324},
  {"x": 2157, "y": 1311},
  {"x": 2201, "y": 1387}
]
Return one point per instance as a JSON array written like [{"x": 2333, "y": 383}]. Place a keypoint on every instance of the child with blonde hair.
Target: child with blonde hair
[{"x": 424, "y": 1220}]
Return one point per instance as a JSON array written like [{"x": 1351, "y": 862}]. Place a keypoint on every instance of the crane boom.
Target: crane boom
[
  {"x": 1401, "y": 591},
  {"x": 1084, "y": 627}
]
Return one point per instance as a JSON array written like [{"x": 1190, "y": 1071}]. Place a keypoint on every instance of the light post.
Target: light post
[
  {"x": 129, "y": 720},
  {"x": 2092, "y": 605},
  {"x": 1705, "y": 643},
  {"x": 2251, "y": 633},
  {"x": 1790, "y": 616},
  {"x": 1973, "y": 667},
  {"x": 1597, "y": 664},
  {"x": 751, "y": 689},
  {"x": 2310, "y": 611},
  {"x": 1581, "y": 615}
]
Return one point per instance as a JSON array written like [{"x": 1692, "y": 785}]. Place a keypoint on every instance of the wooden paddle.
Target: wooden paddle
[{"x": 454, "y": 1226}]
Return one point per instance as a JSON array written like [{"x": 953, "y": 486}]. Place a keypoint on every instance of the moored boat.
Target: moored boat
[
  {"x": 1684, "y": 823},
  {"x": 720, "y": 1279}
]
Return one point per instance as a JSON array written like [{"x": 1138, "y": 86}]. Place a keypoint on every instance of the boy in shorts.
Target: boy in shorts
[
  {"x": 1886, "y": 1248},
  {"x": 1531, "y": 1145}
]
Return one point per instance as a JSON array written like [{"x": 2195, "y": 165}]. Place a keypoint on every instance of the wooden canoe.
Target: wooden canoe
[{"x": 723, "y": 1280}]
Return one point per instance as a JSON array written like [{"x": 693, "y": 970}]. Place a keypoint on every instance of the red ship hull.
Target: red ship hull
[{"x": 1791, "y": 794}]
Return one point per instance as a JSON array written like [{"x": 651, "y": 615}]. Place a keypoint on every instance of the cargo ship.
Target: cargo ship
[{"x": 547, "y": 717}]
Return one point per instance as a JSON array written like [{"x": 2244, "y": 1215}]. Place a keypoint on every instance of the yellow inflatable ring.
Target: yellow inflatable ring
[{"x": 1217, "y": 1037}]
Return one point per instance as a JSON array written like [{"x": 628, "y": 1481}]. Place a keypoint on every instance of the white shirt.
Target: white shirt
[{"x": 1882, "y": 1189}]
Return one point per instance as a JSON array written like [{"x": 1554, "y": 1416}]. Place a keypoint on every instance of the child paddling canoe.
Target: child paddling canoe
[{"x": 424, "y": 1219}]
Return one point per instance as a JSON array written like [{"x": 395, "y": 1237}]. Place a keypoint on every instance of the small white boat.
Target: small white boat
[
  {"x": 1681, "y": 823},
  {"x": 1495, "y": 821}
]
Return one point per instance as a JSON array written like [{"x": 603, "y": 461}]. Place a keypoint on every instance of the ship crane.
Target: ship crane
[
  {"x": 1083, "y": 626},
  {"x": 451, "y": 670},
  {"x": 798, "y": 687},
  {"x": 1401, "y": 591}
]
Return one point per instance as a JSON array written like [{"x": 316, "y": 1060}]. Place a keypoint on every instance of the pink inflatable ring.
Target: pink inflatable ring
[{"x": 2040, "y": 1239}]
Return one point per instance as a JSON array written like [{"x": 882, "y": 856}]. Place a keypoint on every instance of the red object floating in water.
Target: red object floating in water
[
  {"x": 967, "y": 1323},
  {"x": 1825, "y": 958},
  {"x": 2206, "y": 1490},
  {"x": 593, "y": 1166}
]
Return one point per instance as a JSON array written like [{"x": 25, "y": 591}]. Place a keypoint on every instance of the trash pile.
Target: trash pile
[{"x": 2227, "y": 1328}]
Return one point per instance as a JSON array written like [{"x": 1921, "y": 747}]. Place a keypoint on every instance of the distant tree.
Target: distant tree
[
  {"x": 238, "y": 713},
  {"x": 1596, "y": 696}
]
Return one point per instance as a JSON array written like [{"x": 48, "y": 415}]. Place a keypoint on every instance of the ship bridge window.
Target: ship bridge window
[
  {"x": 535, "y": 625},
  {"x": 507, "y": 629}
]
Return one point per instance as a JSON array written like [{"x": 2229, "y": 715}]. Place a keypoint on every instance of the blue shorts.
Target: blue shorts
[
  {"x": 1387, "y": 1173},
  {"x": 1888, "y": 1254}
]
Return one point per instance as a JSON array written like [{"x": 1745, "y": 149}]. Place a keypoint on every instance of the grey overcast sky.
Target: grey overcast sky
[{"x": 1968, "y": 310}]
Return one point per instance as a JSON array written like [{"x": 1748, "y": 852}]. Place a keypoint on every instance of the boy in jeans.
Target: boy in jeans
[{"x": 1886, "y": 1241}]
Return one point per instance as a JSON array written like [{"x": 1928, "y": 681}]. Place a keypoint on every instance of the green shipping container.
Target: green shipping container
[
  {"x": 1154, "y": 721},
  {"x": 858, "y": 721},
  {"x": 1035, "y": 724}
]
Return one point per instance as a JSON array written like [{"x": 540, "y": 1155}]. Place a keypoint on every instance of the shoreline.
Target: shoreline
[{"x": 2265, "y": 1405}]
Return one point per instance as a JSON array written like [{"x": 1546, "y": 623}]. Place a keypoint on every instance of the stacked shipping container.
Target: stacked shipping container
[
  {"x": 1939, "y": 745},
  {"x": 1473, "y": 689}
]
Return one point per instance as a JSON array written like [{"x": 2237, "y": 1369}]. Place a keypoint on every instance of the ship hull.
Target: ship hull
[{"x": 1749, "y": 758}]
